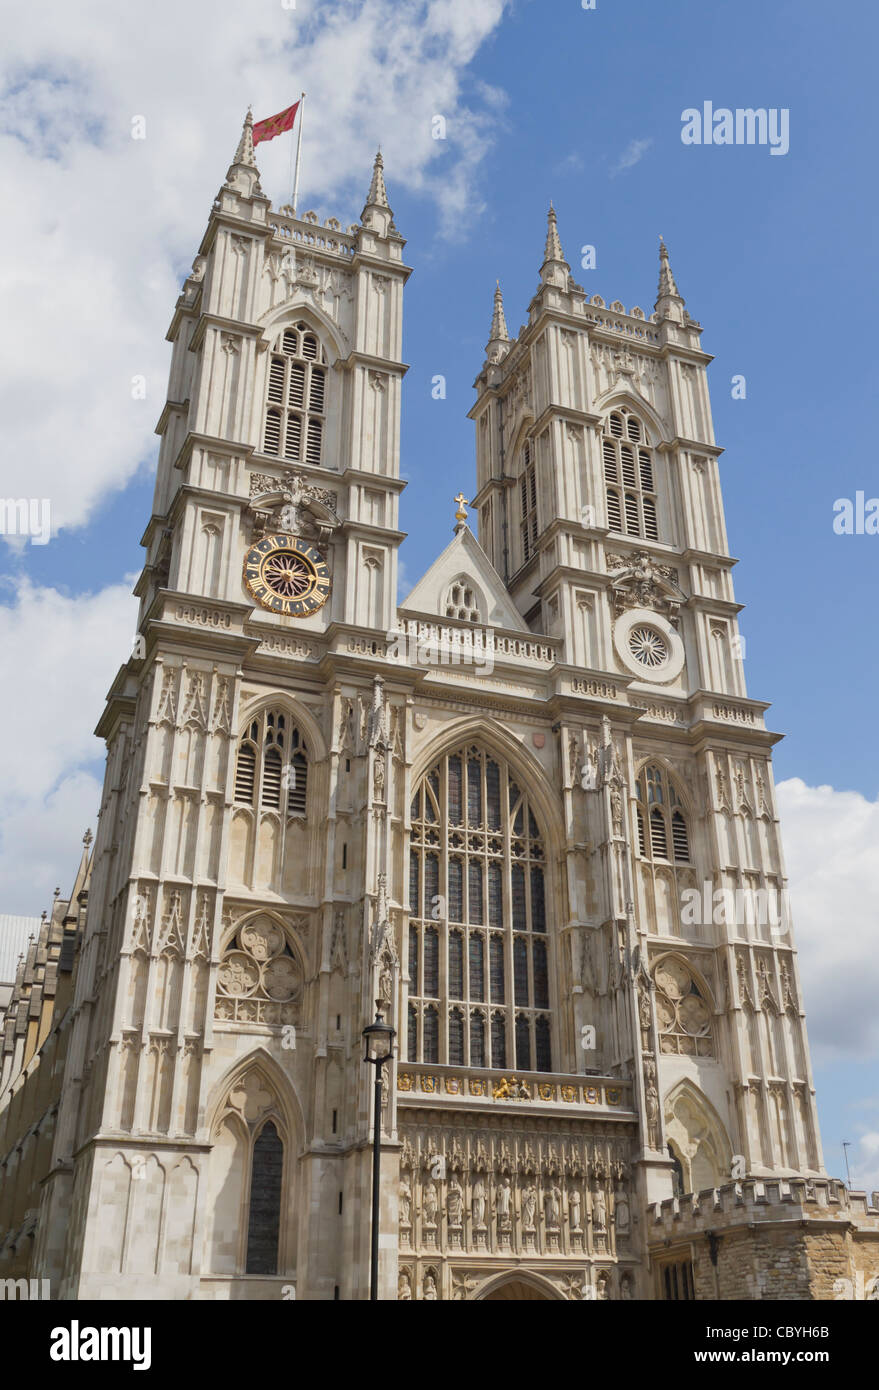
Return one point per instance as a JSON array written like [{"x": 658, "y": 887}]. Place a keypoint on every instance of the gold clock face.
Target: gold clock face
[{"x": 287, "y": 575}]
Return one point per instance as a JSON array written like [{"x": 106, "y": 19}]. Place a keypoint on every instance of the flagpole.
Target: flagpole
[{"x": 298, "y": 156}]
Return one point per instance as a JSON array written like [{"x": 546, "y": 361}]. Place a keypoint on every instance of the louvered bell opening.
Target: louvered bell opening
[
  {"x": 315, "y": 434},
  {"x": 316, "y": 391},
  {"x": 271, "y": 780},
  {"x": 658, "y": 841},
  {"x": 296, "y": 795},
  {"x": 296, "y": 395},
  {"x": 616, "y": 426},
  {"x": 272, "y": 444},
  {"x": 628, "y": 457},
  {"x": 309, "y": 347},
  {"x": 614, "y": 512},
  {"x": 293, "y": 440},
  {"x": 276, "y": 380},
  {"x": 646, "y": 470},
  {"x": 633, "y": 429},
  {"x": 651, "y": 530},
  {"x": 642, "y": 847},
  {"x": 291, "y": 342},
  {"x": 679, "y": 838},
  {"x": 610, "y": 462},
  {"x": 532, "y": 487},
  {"x": 632, "y": 523},
  {"x": 245, "y": 773}
]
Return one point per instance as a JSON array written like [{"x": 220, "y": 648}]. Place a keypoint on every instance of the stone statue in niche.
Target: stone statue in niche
[
  {"x": 386, "y": 984},
  {"x": 429, "y": 1288},
  {"x": 477, "y": 1205},
  {"x": 621, "y": 1212},
  {"x": 404, "y": 1288},
  {"x": 504, "y": 1199},
  {"x": 455, "y": 1202},
  {"x": 529, "y": 1207},
  {"x": 645, "y": 1014},
  {"x": 574, "y": 1209},
  {"x": 430, "y": 1202},
  {"x": 599, "y": 1210},
  {"x": 405, "y": 1202},
  {"x": 651, "y": 1103},
  {"x": 378, "y": 775},
  {"x": 553, "y": 1207}
]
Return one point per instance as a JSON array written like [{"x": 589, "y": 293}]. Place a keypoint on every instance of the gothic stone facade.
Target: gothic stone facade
[{"x": 481, "y": 811}]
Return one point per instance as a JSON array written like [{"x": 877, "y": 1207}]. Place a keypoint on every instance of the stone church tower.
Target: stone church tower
[{"x": 529, "y": 813}]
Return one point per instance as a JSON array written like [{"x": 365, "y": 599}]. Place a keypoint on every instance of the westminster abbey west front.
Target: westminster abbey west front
[{"x": 482, "y": 811}]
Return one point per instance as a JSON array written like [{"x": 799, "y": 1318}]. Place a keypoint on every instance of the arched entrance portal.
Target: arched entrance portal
[{"x": 518, "y": 1288}]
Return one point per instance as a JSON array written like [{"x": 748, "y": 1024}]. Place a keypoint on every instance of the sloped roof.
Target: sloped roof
[{"x": 464, "y": 558}]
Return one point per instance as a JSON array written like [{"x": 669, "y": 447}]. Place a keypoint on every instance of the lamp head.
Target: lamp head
[{"x": 378, "y": 1039}]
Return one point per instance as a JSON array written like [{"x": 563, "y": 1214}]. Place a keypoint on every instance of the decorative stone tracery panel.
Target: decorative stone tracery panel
[{"x": 260, "y": 978}]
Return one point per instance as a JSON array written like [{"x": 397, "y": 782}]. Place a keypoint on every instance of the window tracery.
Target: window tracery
[
  {"x": 629, "y": 476},
  {"x": 295, "y": 416},
  {"x": 271, "y": 770},
  {"x": 478, "y": 946},
  {"x": 260, "y": 978}
]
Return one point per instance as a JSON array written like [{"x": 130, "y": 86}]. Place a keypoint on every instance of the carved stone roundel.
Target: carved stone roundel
[
  {"x": 281, "y": 978},
  {"x": 672, "y": 977},
  {"x": 238, "y": 974},
  {"x": 263, "y": 940}
]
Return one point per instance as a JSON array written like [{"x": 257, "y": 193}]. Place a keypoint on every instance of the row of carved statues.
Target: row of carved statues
[{"x": 551, "y": 1202}]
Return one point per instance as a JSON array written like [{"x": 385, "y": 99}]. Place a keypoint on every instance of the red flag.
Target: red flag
[{"x": 275, "y": 125}]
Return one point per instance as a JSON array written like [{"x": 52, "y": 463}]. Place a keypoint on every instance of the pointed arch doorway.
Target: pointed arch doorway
[{"x": 519, "y": 1287}]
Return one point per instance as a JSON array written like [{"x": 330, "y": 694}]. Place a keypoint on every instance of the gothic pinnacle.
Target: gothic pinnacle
[
  {"x": 667, "y": 287},
  {"x": 377, "y": 197},
  {"x": 244, "y": 153},
  {"x": 498, "y": 320},
  {"x": 553, "y": 250}
]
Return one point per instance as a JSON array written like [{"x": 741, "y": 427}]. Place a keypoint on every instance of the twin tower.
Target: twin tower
[{"x": 489, "y": 830}]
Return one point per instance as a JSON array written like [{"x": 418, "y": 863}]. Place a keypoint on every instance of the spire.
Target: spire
[
  {"x": 378, "y": 195},
  {"x": 243, "y": 175},
  {"x": 498, "y": 344},
  {"x": 377, "y": 213},
  {"x": 555, "y": 269},
  {"x": 244, "y": 154},
  {"x": 553, "y": 250},
  {"x": 669, "y": 300}
]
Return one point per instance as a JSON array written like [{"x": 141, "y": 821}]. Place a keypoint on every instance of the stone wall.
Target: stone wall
[{"x": 771, "y": 1240}]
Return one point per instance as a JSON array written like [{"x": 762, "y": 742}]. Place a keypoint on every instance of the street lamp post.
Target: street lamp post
[{"x": 378, "y": 1039}]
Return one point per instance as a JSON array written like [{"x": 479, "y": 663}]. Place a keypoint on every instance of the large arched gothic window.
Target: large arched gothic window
[
  {"x": 478, "y": 945},
  {"x": 272, "y": 766},
  {"x": 296, "y": 398},
  {"x": 629, "y": 476}
]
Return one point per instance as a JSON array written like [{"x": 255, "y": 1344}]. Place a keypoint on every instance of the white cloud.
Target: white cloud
[
  {"x": 60, "y": 657},
  {"x": 831, "y": 841},
  {"x": 631, "y": 155},
  {"x": 105, "y": 226},
  {"x": 865, "y": 1163}
]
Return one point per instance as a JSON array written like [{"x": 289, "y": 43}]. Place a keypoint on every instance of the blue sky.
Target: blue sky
[{"x": 774, "y": 256}]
